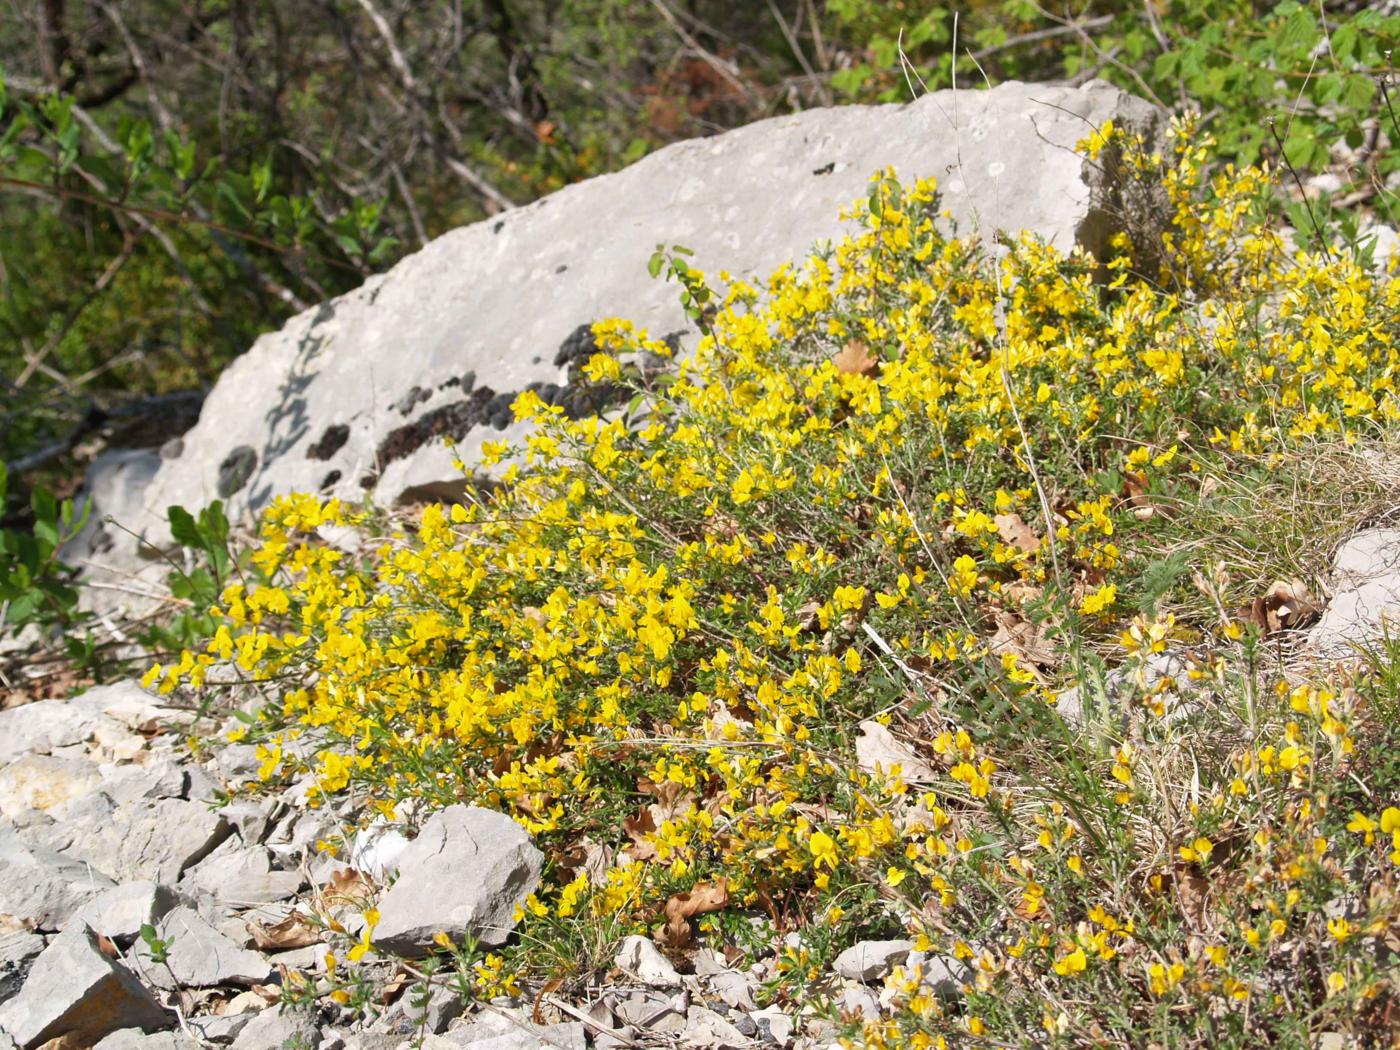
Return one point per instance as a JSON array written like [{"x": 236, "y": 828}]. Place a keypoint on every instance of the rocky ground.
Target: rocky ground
[{"x": 110, "y": 823}]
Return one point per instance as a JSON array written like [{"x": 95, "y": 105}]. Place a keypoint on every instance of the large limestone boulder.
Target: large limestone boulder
[{"x": 355, "y": 395}]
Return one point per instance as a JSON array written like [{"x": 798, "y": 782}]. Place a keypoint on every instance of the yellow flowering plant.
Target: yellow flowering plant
[{"x": 912, "y": 485}]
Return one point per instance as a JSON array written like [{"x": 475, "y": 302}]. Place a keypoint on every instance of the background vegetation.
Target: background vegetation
[{"x": 177, "y": 176}]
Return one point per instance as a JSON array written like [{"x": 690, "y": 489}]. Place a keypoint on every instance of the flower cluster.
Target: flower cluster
[{"x": 904, "y": 486}]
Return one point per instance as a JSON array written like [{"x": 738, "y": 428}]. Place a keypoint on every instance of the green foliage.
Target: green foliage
[{"x": 34, "y": 583}]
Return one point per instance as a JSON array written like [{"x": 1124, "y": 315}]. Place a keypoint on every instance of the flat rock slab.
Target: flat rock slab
[
  {"x": 75, "y": 990},
  {"x": 1365, "y": 601},
  {"x": 41, "y": 887},
  {"x": 465, "y": 873},
  {"x": 47, "y": 725},
  {"x": 872, "y": 960},
  {"x": 120, "y": 912},
  {"x": 199, "y": 956},
  {"x": 491, "y": 1031},
  {"x": 155, "y": 839},
  {"x": 354, "y": 395},
  {"x": 135, "y": 1039},
  {"x": 18, "y": 951}
]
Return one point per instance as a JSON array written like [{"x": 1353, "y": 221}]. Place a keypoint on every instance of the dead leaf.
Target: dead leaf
[
  {"x": 637, "y": 829},
  {"x": 1287, "y": 605},
  {"x": 706, "y": 897},
  {"x": 1192, "y": 895},
  {"x": 880, "y": 751},
  {"x": 548, "y": 988},
  {"x": 1016, "y": 533},
  {"x": 292, "y": 932},
  {"x": 107, "y": 948},
  {"x": 1135, "y": 489},
  {"x": 1028, "y": 641},
  {"x": 855, "y": 359}
]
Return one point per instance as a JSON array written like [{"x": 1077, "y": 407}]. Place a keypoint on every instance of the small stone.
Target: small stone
[
  {"x": 944, "y": 975},
  {"x": 641, "y": 958},
  {"x": 872, "y": 960},
  {"x": 651, "y": 1011},
  {"x": 274, "y": 1029},
  {"x": 441, "y": 1007},
  {"x": 705, "y": 1028},
  {"x": 465, "y": 874},
  {"x": 734, "y": 989},
  {"x": 153, "y": 839},
  {"x": 120, "y": 912},
  {"x": 238, "y": 874},
  {"x": 774, "y": 1026},
  {"x": 199, "y": 956},
  {"x": 74, "y": 988},
  {"x": 859, "y": 1001}
]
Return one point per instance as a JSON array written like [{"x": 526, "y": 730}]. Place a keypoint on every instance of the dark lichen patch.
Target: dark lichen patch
[
  {"x": 235, "y": 470},
  {"x": 412, "y": 400},
  {"x": 332, "y": 439},
  {"x": 576, "y": 348},
  {"x": 329, "y": 480},
  {"x": 825, "y": 169}
]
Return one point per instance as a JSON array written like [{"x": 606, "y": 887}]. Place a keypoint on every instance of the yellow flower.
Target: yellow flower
[
  {"x": 823, "y": 849},
  {"x": 1071, "y": 964},
  {"x": 1198, "y": 851}
]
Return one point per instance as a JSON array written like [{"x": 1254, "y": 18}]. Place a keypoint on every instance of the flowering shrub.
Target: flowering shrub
[{"x": 903, "y": 492}]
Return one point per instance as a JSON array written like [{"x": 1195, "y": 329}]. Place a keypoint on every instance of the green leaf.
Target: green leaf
[{"x": 183, "y": 527}]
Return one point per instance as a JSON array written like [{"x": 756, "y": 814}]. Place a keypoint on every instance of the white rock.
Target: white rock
[
  {"x": 74, "y": 988},
  {"x": 43, "y": 782},
  {"x": 859, "y": 1001},
  {"x": 497, "y": 1031},
  {"x": 238, "y": 874},
  {"x": 377, "y": 848},
  {"x": 199, "y": 956},
  {"x": 734, "y": 989},
  {"x": 872, "y": 960},
  {"x": 641, "y": 958},
  {"x": 745, "y": 201},
  {"x": 135, "y": 1039},
  {"x": 274, "y": 1028},
  {"x": 705, "y": 1028},
  {"x": 942, "y": 974},
  {"x": 773, "y": 1025},
  {"x": 1365, "y": 600},
  {"x": 41, "y": 887},
  {"x": 18, "y": 950},
  {"x": 148, "y": 839},
  {"x": 466, "y": 872},
  {"x": 120, "y": 912}
]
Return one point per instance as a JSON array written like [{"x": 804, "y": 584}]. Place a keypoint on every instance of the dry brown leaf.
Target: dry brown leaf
[
  {"x": 107, "y": 948},
  {"x": 1288, "y": 604},
  {"x": 1192, "y": 895},
  {"x": 879, "y": 751},
  {"x": 855, "y": 359},
  {"x": 1016, "y": 533},
  {"x": 637, "y": 829},
  {"x": 292, "y": 932},
  {"x": 706, "y": 897},
  {"x": 1028, "y": 641}
]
